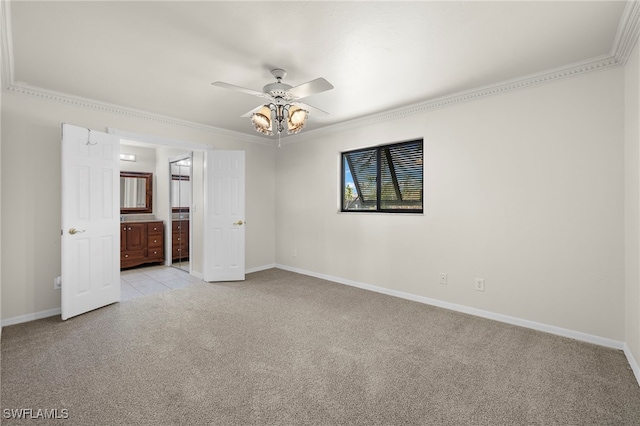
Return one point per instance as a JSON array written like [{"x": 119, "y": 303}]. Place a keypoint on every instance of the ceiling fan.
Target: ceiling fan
[{"x": 283, "y": 110}]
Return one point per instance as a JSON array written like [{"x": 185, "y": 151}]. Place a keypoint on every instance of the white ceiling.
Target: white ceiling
[{"x": 161, "y": 57}]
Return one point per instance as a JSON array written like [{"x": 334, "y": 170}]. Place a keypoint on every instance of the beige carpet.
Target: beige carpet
[{"x": 287, "y": 349}]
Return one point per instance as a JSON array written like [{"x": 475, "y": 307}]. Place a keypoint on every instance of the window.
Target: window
[{"x": 385, "y": 178}]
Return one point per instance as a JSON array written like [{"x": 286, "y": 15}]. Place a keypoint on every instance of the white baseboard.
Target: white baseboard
[
  {"x": 260, "y": 268},
  {"x": 31, "y": 317},
  {"x": 468, "y": 310},
  {"x": 632, "y": 362}
]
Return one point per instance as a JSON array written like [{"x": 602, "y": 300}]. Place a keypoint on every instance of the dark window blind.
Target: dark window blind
[{"x": 386, "y": 178}]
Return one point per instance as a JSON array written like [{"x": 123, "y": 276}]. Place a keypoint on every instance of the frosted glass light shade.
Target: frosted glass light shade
[
  {"x": 297, "y": 119},
  {"x": 261, "y": 120}
]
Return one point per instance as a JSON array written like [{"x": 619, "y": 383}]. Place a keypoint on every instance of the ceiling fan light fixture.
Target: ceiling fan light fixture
[
  {"x": 261, "y": 120},
  {"x": 297, "y": 119},
  {"x": 281, "y": 113}
]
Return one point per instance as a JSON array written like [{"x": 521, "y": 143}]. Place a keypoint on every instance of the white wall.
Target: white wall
[
  {"x": 632, "y": 203},
  {"x": 145, "y": 159},
  {"x": 30, "y": 212},
  {"x": 523, "y": 189}
]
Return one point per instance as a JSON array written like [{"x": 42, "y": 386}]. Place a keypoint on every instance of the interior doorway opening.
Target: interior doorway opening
[{"x": 178, "y": 193}]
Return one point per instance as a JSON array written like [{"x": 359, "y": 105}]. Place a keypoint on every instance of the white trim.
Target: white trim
[
  {"x": 589, "y": 338},
  {"x": 31, "y": 317},
  {"x": 259, "y": 268},
  {"x": 632, "y": 362},
  {"x": 628, "y": 32},
  {"x": 196, "y": 274},
  {"x": 6, "y": 35}
]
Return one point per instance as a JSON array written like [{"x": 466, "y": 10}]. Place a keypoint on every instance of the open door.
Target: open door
[
  {"x": 224, "y": 221},
  {"x": 90, "y": 220}
]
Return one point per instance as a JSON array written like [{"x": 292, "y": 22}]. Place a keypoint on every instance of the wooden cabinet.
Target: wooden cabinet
[
  {"x": 140, "y": 243},
  {"x": 180, "y": 239}
]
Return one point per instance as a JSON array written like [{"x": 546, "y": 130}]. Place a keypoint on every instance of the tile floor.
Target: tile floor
[{"x": 140, "y": 282}]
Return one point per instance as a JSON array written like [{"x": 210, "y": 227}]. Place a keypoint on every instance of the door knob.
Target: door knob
[
  {"x": 74, "y": 231},
  {"x": 239, "y": 222}
]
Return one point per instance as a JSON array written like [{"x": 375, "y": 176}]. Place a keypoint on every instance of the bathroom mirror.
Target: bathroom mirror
[
  {"x": 180, "y": 193},
  {"x": 136, "y": 192}
]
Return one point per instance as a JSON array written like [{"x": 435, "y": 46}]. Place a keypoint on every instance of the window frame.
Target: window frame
[{"x": 378, "y": 154}]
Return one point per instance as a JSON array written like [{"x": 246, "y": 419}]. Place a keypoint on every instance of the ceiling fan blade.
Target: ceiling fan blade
[
  {"x": 310, "y": 88},
  {"x": 250, "y": 113},
  {"x": 238, "y": 88},
  {"x": 312, "y": 110}
]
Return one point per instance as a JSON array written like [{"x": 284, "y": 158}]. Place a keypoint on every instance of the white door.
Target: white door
[
  {"x": 224, "y": 221},
  {"x": 90, "y": 220}
]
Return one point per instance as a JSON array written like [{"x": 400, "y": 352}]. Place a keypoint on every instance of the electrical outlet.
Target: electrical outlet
[
  {"x": 479, "y": 284},
  {"x": 443, "y": 278},
  {"x": 57, "y": 283},
  {"x": 295, "y": 253}
]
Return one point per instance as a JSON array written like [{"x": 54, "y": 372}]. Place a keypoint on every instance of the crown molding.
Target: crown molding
[
  {"x": 464, "y": 96},
  {"x": 25, "y": 89},
  {"x": 6, "y": 45},
  {"x": 628, "y": 32}
]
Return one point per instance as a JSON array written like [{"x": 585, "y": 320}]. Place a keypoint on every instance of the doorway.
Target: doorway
[
  {"x": 217, "y": 178},
  {"x": 177, "y": 181}
]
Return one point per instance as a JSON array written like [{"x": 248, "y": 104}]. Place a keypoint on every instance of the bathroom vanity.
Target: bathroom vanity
[{"x": 141, "y": 242}]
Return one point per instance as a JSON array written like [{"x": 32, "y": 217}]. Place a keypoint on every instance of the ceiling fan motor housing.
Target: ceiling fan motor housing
[{"x": 278, "y": 90}]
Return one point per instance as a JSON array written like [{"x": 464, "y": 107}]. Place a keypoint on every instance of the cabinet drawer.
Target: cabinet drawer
[
  {"x": 132, "y": 257},
  {"x": 178, "y": 239},
  {"x": 180, "y": 226},
  {"x": 180, "y": 251},
  {"x": 155, "y": 254},
  {"x": 154, "y": 241},
  {"x": 155, "y": 228}
]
